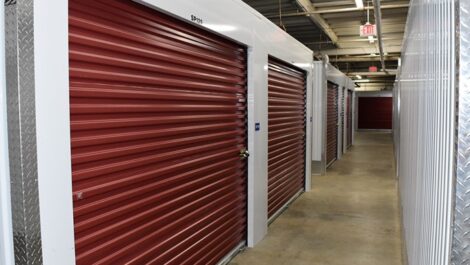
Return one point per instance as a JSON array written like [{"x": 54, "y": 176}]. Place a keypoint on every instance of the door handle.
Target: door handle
[{"x": 244, "y": 154}]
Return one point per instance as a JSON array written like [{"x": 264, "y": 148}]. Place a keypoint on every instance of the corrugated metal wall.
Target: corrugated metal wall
[{"x": 427, "y": 113}]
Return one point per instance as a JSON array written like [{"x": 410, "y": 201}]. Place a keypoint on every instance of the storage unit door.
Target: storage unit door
[
  {"x": 286, "y": 138},
  {"x": 158, "y": 118},
  {"x": 343, "y": 119},
  {"x": 349, "y": 119},
  {"x": 332, "y": 124},
  {"x": 375, "y": 113}
]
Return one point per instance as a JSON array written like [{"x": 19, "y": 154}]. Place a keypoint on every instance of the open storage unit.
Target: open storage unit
[{"x": 151, "y": 119}]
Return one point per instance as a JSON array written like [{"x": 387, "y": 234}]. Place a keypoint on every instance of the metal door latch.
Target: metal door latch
[{"x": 244, "y": 154}]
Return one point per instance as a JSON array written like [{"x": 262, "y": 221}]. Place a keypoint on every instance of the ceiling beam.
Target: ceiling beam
[
  {"x": 361, "y": 59},
  {"x": 314, "y": 11},
  {"x": 389, "y": 72},
  {"x": 308, "y": 7},
  {"x": 372, "y": 81},
  {"x": 357, "y": 51},
  {"x": 374, "y": 85},
  {"x": 349, "y": 39}
]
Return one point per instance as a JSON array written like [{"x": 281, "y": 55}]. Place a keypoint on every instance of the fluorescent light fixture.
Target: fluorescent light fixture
[
  {"x": 359, "y": 77},
  {"x": 359, "y": 4},
  {"x": 220, "y": 27},
  {"x": 362, "y": 81},
  {"x": 371, "y": 39},
  {"x": 302, "y": 65}
]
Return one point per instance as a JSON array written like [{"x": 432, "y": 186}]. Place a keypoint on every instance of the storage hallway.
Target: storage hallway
[
  {"x": 234, "y": 132},
  {"x": 351, "y": 216}
]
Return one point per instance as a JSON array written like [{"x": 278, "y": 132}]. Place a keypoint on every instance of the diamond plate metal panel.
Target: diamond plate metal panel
[
  {"x": 461, "y": 232},
  {"x": 22, "y": 131}
]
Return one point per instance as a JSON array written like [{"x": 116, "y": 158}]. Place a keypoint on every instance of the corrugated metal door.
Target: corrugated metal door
[
  {"x": 349, "y": 119},
  {"x": 286, "y": 138},
  {"x": 158, "y": 119},
  {"x": 332, "y": 124},
  {"x": 342, "y": 119},
  {"x": 375, "y": 113}
]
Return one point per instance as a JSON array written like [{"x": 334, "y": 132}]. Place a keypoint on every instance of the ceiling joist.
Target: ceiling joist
[
  {"x": 316, "y": 11},
  {"x": 307, "y": 6}
]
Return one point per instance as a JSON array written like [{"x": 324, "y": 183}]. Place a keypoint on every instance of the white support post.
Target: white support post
[{"x": 53, "y": 131}]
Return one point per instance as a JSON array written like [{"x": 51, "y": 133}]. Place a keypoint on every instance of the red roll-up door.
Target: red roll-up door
[
  {"x": 332, "y": 124},
  {"x": 349, "y": 119},
  {"x": 343, "y": 119},
  {"x": 286, "y": 138},
  {"x": 375, "y": 113},
  {"x": 158, "y": 118}
]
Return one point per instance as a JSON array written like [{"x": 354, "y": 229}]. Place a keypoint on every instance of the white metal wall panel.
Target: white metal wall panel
[
  {"x": 427, "y": 111},
  {"x": 319, "y": 114},
  {"x": 396, "y": 124},
  {"x": 319, "y": 86},
  {"x": 336, "y": 76}
]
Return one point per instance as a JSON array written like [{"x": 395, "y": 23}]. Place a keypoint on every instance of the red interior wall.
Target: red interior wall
[{"x": 375, "y": 113}]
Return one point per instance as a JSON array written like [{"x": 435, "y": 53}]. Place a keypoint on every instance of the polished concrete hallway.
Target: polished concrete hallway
[{"x": 351, "y": 217}]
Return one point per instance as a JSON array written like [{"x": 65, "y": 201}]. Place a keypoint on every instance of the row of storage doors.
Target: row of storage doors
[
  {"x": 334, "y": 119},
  {"x": 159, "y": 132}
]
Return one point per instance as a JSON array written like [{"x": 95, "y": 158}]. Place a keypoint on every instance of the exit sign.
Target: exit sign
[{"x": 368, "y": 30}]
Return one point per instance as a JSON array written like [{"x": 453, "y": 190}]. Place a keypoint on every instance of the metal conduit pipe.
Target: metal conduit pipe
[{"x": 378, "y": 23}]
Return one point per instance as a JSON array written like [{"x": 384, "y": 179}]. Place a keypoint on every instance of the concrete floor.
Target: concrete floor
[{"x": 351, "y": 217}]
